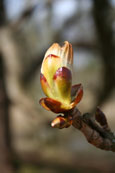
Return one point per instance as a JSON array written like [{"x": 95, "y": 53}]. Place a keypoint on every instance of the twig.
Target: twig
[
  {"x": 94, "y": 133},
  {"x": 95, "y": 128}
]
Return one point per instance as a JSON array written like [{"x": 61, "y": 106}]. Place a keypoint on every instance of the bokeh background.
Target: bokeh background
[{"x": 28, "y": 144}]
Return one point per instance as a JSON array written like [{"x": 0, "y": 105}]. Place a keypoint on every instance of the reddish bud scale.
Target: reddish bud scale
[
  {"x": 75, "y": 89},
  {"x": 54, "y": 105},
  {"x": 42, "y": 77},
  {"x": 76, "y": 94},
  {"x": 61, "y": 122},
  {"x": 51, "y": 56},
  {"x": 44, "y": 84},
  {"x": 63, "y": 72}
]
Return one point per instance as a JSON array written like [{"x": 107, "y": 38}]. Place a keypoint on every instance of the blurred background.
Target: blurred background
[{"x": 28, "y": 144}]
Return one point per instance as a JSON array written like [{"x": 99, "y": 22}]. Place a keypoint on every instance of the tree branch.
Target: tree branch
[
  {"x": 98, "y": 135},
  {"x": 95, "y": 128}
]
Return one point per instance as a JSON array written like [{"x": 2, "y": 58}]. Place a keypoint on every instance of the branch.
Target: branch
[{"x": 96, "y": 130}]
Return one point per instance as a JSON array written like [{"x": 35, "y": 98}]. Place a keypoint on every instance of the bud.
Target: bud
[
  {"x": 61, "y": 122},
  {"x": 56, "y": 79}
]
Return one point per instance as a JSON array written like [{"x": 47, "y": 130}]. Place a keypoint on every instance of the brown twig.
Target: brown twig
[
  {"x": 95, "y": 128},
  {"x": 94, "y": 133}
]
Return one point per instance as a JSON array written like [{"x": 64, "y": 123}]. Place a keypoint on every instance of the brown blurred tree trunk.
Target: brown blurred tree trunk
[
  {"x": 5, "y": 163},
  {"x": 5, "y": 160},
  {"x": 104, "y": 24}
]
